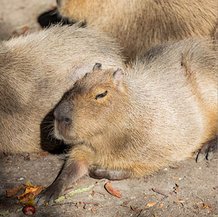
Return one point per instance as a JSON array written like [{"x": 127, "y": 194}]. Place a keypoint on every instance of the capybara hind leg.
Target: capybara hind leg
[
  {"x": 69, "y": 174},
  {"x": 100, "y": 173},
  {"x": 207, "y": 150}
]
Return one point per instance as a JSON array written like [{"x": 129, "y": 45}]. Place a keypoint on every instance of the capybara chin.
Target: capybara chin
[
  {"x": 139, "y": 24},
  {"x": 36, "y": 70},
  {"x": 132, "y": 123}
]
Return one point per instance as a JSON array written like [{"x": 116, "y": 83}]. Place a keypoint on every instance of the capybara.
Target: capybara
[
  {"x": 139, "y": 24},
  {"x": 131, "y": 123},
  {"x": 36, "y": 70}
]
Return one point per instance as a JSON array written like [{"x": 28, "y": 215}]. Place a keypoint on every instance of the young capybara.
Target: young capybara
[
  {"x": 130, "y": 124},
  {"x": 139, "y": 24},
  {"x": 36, "y": 70}
]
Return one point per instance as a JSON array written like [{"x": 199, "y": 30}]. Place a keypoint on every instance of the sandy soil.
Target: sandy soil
[{"x": 188, "y": 189}]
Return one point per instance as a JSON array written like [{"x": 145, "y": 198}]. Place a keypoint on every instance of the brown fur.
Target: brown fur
[
  {"x": 139, "y": 24},
  {"x": 162, "y": 110},
  {"x": 167, "y": 106},
  {"x": 36, "y": 70}
]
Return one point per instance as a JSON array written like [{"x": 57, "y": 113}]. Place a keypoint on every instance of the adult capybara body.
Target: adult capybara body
[
  {"x": 139, "y": 24},
  {"x": 36, "y": 70},
  {"x": 126, "y": 124}
]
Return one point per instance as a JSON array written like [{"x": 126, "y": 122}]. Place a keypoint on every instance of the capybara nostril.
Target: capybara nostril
[
  {"x": 67, "y": 120},
  {"x": 62, "y": 119}
]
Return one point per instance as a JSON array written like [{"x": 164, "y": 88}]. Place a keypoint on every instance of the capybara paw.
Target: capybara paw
[
  {"x": 48, "y": 196},
  {"x": 207, "y": 151},
  {"x": 100, "y": 173}
]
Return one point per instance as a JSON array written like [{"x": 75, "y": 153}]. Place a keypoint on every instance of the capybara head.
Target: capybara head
[{"x": 94, "y": 106}]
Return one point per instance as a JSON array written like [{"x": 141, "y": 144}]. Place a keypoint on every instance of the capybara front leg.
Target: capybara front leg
[{"x": 69, "y": 174}]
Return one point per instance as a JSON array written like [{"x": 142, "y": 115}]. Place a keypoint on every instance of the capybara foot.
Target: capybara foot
[
  {"x": 207, "y": 150},
  {"x": 101, "y": 173},
  {"x": 49, "y": 195}
]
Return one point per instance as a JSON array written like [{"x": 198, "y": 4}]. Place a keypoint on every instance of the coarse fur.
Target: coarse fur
[
  {"x": 36, "y": 70},
  {"x": 161, "y": 111},
  {"x": 139, "y": 24},
  {"x": 158, "y": 112}
]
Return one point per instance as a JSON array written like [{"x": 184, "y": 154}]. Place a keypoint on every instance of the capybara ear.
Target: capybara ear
[
  {"x": 118, "y": 78},
  {"x": 118, "y": 75},
  {"x": 97, "y": 66}
]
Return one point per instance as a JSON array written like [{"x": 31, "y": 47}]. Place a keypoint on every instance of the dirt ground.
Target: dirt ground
[{"x": 188, "y": 189}]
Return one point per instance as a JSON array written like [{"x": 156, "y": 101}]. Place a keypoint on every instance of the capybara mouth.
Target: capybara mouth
[
  {"x": 60, "y": 136},
  {"x": 61, "y": 133}
]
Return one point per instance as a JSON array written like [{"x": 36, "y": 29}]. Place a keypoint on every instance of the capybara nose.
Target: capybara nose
[{"x": 62, "y": 114}]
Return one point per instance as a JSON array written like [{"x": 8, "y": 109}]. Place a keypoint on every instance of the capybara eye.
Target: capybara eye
[{"x": 101, "y": 95}]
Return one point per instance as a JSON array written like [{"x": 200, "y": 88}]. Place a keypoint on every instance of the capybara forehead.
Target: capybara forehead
[{"x": 92, "y": 81}]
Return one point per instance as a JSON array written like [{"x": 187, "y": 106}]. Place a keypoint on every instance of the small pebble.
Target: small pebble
[
  {"x": 29, "y": 210},
  {"x": 21, "y": 179}
]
